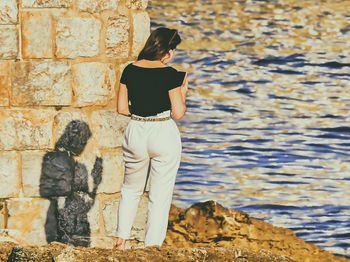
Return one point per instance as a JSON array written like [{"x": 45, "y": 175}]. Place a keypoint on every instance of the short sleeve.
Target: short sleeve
[
  {"x": 177, "y": 79},
  {"x": 124, "y": 77}
]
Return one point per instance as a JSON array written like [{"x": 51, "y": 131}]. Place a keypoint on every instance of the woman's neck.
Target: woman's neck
[{"x": 149, "y": 63}]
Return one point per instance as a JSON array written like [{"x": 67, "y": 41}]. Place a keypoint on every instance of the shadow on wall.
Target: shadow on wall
[{"x": 65, "y": 183}]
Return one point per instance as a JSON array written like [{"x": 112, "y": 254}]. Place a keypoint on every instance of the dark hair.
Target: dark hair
[{"x": 159, "y": 43}]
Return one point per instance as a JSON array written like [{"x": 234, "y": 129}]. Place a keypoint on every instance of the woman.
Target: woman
[{"x": 150, "y": 92}]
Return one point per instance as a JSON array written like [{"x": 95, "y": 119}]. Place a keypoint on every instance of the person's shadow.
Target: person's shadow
[{"x": 65, "y": 183}]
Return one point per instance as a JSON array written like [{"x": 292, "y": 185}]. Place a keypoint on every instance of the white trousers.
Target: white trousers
[{"x": 151, "y": 150}]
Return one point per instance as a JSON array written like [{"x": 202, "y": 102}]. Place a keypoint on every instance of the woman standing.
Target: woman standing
[{"x": 150, "y": 92}]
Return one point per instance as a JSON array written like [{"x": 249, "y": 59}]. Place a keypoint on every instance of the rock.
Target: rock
[
  {"x": 36, "y": 35},
  {"x": 141, "y": 22},
  {"x": 46, "y": 3},
  {"x": 10, "y": 181},
  {"x": 210, "y": 224},
  {"x": 41, "y": 83},
  {"x": 9, "y": 42},
  {"x": 4, "y": 83},
  {"x": 8, "y": 12},
  {"x": 6, "y": 249},
  {"x": 117, "y": 36},
  {"x": 113, "y": 172},
  {"x": 96, "y": 6},
  {"x": 60, "y": 253},
  {"x": 77, "y": 37},
  {"x": 109, "y": 128},
  {"x": 26, "y": 129},
  {"x": 93, "y": 83},
  {"x": 32, "y": 162},
  {"x": 137, "y": 4},
  {"x": 27, "y": 219}
]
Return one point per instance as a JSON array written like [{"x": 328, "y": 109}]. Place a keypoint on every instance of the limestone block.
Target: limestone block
[
  {"x": 110, "y": 217},
  {"x": 137, "y": 4},
  {"x": 109, "y": 128},
  {"x": 93, "y": 83},
  {"x": 36, "y": 35},
  {"x": 117, "y": 38},
  {"x": 62, "y": 120},
  {"x": 4, "y": 83},
  {"x": 113, "y": 172},
  {"x": 141, "y": 22},
  {"x": 41, "y": 83},
  {"x": 2, "y": 215},
  {"x": 95, "y": 6},
  {"x": 9, "y": 42},
  {"x": 31, "y": 172},
  {"x": 9, "y": 175},
  {"x": 26, "y": 129},
  {"x": 26, "y": 220},
  {"x": 77, "y": 37},
  {"x": 94, "y": 217},
  {"x": 8, "y": 12},
  {"x": 46, "y": 3}
]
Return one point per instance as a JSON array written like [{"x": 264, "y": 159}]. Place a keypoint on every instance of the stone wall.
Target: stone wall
[{"x": 61, "y": 164}]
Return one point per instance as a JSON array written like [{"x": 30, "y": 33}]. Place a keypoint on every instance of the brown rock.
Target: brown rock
[
  {"x": 41, "y": 83},
  {"x": 36, "y": 35},
  {"x": 210, "y": 224},
  {"x": 117, "y": 40},
  {"x": 4, "y": 83}
]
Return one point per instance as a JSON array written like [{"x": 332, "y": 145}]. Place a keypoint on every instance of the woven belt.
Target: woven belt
[{"x": 148, "y": 119}]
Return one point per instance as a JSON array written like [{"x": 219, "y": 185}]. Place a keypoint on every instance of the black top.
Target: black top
[{"x": 148, "y": 88}]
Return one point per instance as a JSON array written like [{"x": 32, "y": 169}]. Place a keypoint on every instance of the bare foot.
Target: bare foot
[{"x": 120, "y": 244}]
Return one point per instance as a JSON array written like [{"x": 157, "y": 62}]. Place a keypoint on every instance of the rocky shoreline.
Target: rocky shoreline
[{"x": 204, "y": 232}]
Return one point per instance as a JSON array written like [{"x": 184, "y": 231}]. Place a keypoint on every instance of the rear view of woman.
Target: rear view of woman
[{"x": 151, "y": 93}]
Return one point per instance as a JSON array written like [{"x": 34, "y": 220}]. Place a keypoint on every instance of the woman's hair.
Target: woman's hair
[{"x": 159, "y": 43}]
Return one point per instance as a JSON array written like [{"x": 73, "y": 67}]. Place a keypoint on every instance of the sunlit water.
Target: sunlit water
[{"x": 267, "y": 129}]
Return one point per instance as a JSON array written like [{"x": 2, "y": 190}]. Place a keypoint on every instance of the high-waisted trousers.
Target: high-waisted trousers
[{"x": 151, "y": 150}]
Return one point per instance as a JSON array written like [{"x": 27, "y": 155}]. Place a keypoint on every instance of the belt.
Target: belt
[{"x": 149, "y": 119}]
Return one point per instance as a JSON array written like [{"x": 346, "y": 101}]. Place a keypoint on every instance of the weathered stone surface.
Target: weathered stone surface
[
  {"x": 4, "y": 83},
  {"x": 95, "y": 6},
  {"x": 113, "y": 173},
  {"x": 2, "y": 215},
  {"x": 46, "y": 3},
  {"x": 210, "y": 224},
  {"x": 8, "y": 12},
  {"x": 93, "y": 83},
  {"x": 41, "y": 83},
  {"x": 31, "y": 171},
  {"x": 110, "y": 217},
  {"x": 9, "y": 175},
  {"x": 9, "y": 42},
  {"x": 141, "y": 22},
  {"x": 62, "y": 253},
  {"x": 94, "y": 217},
  {"x": 26, "y": 129},
  {"x": 63, "y": 119},
  {"x": 77, "y": 37},
  {"x": 109, "y": 128},
  {"x": 27, "y": 218},
  {"x": 36, "y": 35},
  {"x": 117, "y": 39},
  {"x": 137, "y": 4}
]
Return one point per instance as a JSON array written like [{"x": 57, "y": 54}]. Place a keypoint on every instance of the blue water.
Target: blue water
[{"x": 267, "y": 123}]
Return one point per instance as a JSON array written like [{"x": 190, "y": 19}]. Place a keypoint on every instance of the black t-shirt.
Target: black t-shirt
[{"x": 148, "y": 88}]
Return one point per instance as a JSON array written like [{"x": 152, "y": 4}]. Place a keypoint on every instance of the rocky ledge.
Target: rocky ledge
[{"x": 204, "y": 232}]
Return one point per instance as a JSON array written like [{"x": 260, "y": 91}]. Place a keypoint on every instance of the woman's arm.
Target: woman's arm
[
  {"x": 178, "y": 100},
  {"x": 123, "y": 101}
]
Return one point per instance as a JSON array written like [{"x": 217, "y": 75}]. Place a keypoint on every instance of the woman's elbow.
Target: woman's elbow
[
  {"x": 178, "y": 114},
  {"x": 123, "y": 111}
]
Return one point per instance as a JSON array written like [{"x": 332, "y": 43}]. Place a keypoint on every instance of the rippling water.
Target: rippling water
[{"x": 267, "y": 128}]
